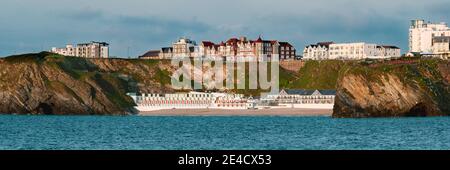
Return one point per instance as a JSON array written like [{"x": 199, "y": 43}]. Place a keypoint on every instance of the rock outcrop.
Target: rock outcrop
[
  {"x": 45, "y": 83},
  {"x": 415, "y": 88}
]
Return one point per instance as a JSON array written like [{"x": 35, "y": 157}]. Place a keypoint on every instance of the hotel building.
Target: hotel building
[
  {"x": 85, "y": 50},
  {"x": 421, "y": 35},
  {"x": 349, "y": 51},
  {"x": 319, "y": 51},
  {"x": 231, "y": 49},
  {"x": 191, "y": 100},
  {"x": 441, "y": 47},
  {"x": 299, "y": 98}
]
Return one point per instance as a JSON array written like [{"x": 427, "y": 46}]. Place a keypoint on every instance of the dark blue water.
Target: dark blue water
[{"x": 132, "y": 132}]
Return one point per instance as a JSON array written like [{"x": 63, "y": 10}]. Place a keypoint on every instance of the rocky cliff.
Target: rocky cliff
[
  {"x": 46, "y": 83},
  {"x": 394, "y": 89}
]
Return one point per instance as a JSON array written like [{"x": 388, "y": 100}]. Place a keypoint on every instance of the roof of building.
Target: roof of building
[
  {"x": 299, "y": 91},
  {"x": 327, "y": 92},
  {"x": 309, "y": 92},
  {"x": 151, "y": 53},
  {"x": 323, "y": 44},
  {"x": 167, "y": 49},
  {"x": 286, "y": 44},
  {"x": 259, "y": 40},
  {"x": 388, "y": 46},
  {"x": 93, "y": 42},
  {"x": 232, "y": 40},
  {"x": 328, "y": 43},
  {"x": 186, "y": 40},
  {"x": 207, "y": 43}
]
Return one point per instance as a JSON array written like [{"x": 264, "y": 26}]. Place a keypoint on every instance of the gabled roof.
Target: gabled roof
[
  {"x": 167, "y": 49},
  {"x": 259, "y": 40},
  {"x": 309, "y": 92},
  {"x": 207, "y": 43},
  {"x": 323, "y": 44},
  {"x": 151, "y": 53},
  {"x": 232, "y": 41},
  {"x": 286, "y": 44},
  {"x": 327, "y": 92},
  {"x": 299, "y": 92}
]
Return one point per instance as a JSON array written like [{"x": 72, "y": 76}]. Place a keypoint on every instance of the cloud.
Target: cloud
[
  {"x": 439, "y": 10},
  {"x": 128, "y": 35},
  {"x": 83, "y": 14},
  {"x": 140, "y": 25},
  {"x": 144, "y": 33}
]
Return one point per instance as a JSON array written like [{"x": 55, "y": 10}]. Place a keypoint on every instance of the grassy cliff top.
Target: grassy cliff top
[{"x": 154, "y": 75}]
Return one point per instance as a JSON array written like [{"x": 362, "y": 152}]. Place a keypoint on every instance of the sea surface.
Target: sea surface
[{"x": 208, "y": 132}]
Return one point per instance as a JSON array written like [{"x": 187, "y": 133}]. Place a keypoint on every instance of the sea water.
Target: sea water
[{"x": 221, "y": 133}]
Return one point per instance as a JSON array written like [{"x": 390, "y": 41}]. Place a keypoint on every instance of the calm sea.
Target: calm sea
[{"x": 149, "y": 133}]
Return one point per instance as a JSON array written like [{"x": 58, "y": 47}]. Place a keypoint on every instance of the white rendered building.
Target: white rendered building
[
  {"x": 85, "y": 50},
  {"x": 191, "y": 100},
  {"x": 349, "y": 51},
  {"x": 387, "y": 51},
  {"x": 300, "y": 98},
  {"x": 421, "y": 35},
  {"x": 70, "y": 50},
  {"x": 184, "y": 47},
  {"x": 319, "y": 51},
  {"x": 352, "y": 51},
  {"x": 441, "y": 47}
]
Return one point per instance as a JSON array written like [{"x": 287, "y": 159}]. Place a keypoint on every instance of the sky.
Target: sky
[{"x": 133, "y": 27}]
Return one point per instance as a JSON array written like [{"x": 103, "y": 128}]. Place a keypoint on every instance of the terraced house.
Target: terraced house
[
  {"x": 349, "y": 51},
  {"x": 302, "y": 96}
]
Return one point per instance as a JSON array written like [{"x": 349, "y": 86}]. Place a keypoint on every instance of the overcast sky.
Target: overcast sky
[{"x": 141, "y": 25}]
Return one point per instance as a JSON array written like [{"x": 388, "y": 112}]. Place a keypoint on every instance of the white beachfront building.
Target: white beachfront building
[
  {"x": 300, "y": 98},
  {"x": 349, "y": 51},
  {"x": 421, "y": 35},
  {"x": 191, "y": 100}
]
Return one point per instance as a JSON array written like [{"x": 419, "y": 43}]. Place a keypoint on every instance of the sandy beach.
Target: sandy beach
[{"x": 223, "y": 112}]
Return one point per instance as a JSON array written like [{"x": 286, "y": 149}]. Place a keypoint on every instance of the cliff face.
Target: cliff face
[
  {"x": 45, "y": 83},
  {"x": 409, "y": 88}
]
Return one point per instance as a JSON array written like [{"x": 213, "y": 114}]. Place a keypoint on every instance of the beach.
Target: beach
[{"x": 237, "y": 112}]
